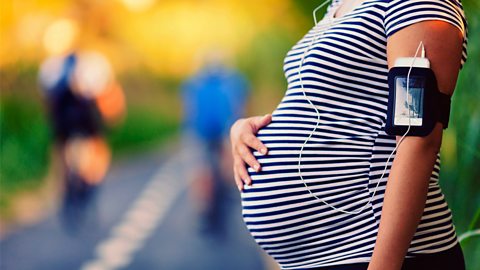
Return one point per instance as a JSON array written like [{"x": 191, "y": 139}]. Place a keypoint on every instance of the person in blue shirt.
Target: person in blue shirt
[{"x": 213, "y": 99}]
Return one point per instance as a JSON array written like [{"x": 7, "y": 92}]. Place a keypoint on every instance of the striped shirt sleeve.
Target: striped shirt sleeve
[{"x": 402, "y": 13}]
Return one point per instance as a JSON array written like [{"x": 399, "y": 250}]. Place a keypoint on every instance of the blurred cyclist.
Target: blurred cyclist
[
  {"x": 81, "y": 96},
  {"x": 212, "y": 100}
]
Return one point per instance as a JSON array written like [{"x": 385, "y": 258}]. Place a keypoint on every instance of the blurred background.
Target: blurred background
[{"x": 75, "y": 183}]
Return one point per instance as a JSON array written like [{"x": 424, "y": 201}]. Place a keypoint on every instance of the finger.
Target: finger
[
  {"x": 261, "y": 121},
  {"x": 248, "y": 158},
  {"x": 238, "y": 181},
  {"x": 242, "y": 173},
  {"x": 255, "y": 143},
  {"x": 234, "y": 127}
]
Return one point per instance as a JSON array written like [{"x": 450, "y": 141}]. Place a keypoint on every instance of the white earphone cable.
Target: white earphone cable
[{"x": 318, "y": 118}]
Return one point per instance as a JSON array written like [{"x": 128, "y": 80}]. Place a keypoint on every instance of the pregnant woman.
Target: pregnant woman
[{"x": 318, "y": 188}]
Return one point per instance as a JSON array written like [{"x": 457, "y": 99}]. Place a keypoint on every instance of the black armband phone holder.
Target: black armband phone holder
[{"x": 421, "y": 108}]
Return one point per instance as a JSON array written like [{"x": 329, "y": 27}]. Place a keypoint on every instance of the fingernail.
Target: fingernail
[
  {"x": 263, "y": 151},
  {"x": 256, "y": 167},
  {"x": 239, "y": 188}
]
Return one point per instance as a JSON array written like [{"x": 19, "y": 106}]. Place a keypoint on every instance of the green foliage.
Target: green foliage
[
  {"x": 24, "y": 144},
  {"x": 460, "y": 171},
  {"x": 142, "y": 128}
]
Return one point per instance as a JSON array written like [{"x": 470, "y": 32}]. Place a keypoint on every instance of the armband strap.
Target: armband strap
[{"x": 444, "y": 102}]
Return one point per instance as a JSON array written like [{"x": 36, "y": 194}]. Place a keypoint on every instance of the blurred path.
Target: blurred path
[{"x": 144, "y": 220}]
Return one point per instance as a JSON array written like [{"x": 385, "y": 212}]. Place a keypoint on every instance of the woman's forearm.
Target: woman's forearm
[
  {"x": 404, "y": 199},
  {"x": 407, "y": 187}
]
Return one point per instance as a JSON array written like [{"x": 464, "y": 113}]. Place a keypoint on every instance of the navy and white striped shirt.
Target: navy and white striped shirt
[{"x": 345, "y": 76}]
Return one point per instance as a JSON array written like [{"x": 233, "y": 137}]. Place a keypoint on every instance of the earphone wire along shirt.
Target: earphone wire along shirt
[{"x": 345, "y": 76}]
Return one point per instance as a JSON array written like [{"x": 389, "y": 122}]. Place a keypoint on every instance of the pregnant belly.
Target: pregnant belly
[
  {"x": 279, "y": 210},
  {"x": 333, "y": 161}
]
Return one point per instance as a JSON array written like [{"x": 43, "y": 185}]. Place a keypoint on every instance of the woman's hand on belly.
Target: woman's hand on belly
[{"x": 242, "y": 138}]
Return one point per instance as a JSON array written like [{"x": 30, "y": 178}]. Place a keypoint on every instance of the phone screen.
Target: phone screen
[{"x": 409, "y": 106}]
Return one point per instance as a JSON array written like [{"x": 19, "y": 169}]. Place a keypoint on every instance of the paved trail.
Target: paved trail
[{"x": 144, "y": 219}]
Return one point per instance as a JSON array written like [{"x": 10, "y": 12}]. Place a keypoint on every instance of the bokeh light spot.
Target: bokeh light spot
[
  {"x": 60, "y": 36},
  {"x": 138, "y": 5}
]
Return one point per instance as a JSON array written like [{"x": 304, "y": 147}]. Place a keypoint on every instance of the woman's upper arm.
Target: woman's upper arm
[
  {"x": 442, "y": 27},
  {"x": 443, "y": 46}
]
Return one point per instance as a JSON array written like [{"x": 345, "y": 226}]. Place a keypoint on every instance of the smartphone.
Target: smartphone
[{"x": 409, "y": 103}]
